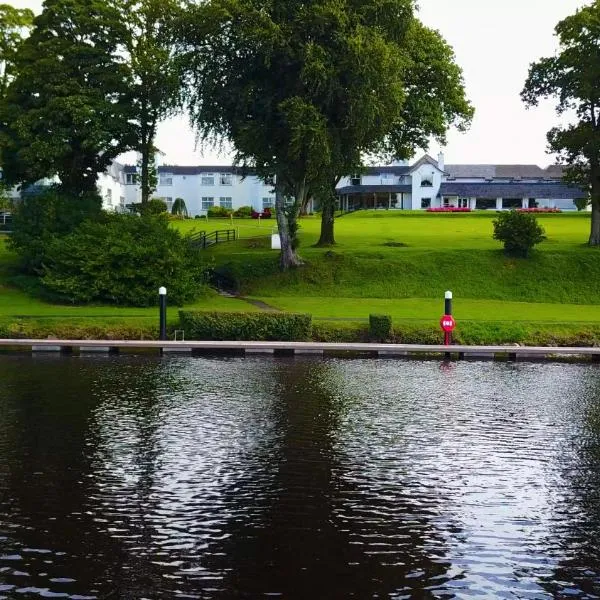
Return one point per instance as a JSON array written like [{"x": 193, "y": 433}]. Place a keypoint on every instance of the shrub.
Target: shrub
[
  {"x": 581, "y": 203},
  {"x": 263, "y": 326},
  {"x": 380, "y": 328},
  {"x": 243, "y": 211},
  {"x": 123, "y": 259},
  {"x": 219, "y": 211},
  {"x": 179, "y": 208},
  {"x": 519, "y": 232},
  {"x": 40, "y": 218}
]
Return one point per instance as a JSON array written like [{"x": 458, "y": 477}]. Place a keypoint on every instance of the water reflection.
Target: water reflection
[{"x": 219, "y": 478}]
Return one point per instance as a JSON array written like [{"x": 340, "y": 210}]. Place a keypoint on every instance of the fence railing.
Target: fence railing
[{"x": 205, "y": 240}]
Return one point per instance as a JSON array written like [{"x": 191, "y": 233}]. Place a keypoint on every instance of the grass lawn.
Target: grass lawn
[
  {"x": 398, "y": 263},
  {"x": 428, "y": 309}
]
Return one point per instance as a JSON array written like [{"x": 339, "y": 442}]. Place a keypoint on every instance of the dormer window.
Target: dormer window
[{"x": 355, "y": 179}]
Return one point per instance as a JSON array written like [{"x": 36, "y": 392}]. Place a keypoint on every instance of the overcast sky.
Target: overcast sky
[{"x": 494, "y": 41}]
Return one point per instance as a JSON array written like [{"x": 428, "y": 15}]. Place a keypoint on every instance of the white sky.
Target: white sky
[{"x": 494, "y": 43}]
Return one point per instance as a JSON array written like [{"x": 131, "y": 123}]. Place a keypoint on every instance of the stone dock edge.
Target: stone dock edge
[{"x": 301, "y": 348}]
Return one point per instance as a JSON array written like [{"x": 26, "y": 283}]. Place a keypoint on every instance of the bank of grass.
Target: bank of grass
[{"x": 385, "y": 262}]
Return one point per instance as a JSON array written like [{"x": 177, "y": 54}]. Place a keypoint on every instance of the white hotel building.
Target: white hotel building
[{"x": 401, "y": 186}]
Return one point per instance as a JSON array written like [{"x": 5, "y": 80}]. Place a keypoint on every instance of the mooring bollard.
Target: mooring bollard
[{"x": 162, "y": 294}]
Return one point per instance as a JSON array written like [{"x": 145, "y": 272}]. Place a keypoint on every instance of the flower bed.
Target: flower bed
[
  {"x": 539, "y": 210},
  {"x": 448, "y": 209}
]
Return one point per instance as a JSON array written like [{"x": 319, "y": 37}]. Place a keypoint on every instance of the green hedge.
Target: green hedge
[
  {"x": 380, "y": 328},
  {"x": 267, "y": 326}
]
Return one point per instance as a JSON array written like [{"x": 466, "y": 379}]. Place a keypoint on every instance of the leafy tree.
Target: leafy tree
[
  {"x": 124, "y": 259},
  {"x": 156, "y": 76},
  {"x": 433, "y": 100},
  {"x": 179, "y": 208},
  {"x": 14, "y": 22},
  {"x": 573, "y": 78},
  {"x": 66, "y": 112},
  {"x": 519, "y": 232},
  {"x": 581, "y": 203},
  {"x": 304, "y": 90}
]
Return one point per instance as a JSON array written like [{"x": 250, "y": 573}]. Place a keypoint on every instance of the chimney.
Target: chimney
[{"x": 441, "y": 161}]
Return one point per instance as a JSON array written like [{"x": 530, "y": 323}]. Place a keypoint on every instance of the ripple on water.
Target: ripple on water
[{"x": 219, "y": 478}]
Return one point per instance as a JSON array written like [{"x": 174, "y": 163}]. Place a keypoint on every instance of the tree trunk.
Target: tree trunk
[
  {"x": 288, "y": 259},
  {"x": 327, "y": 221},
  {"x": 595, "y": 231}
]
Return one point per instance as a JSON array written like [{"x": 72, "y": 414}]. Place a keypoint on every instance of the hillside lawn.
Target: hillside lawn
[{"x": 398, "y": 263}]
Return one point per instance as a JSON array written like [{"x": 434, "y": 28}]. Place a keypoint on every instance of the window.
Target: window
[
  {"x": 426, "y": 183},
  {"x": 268, "y": 202},
  {"x": 108, "y": 197},
  {"x": 226, "y": 179},
  {"x": 446, "y": 202},
  {"x": 122, "y": 201},
  {"x": 208, "y": 179},
  {"x": 270, "y": 180},
  {"x": 130, "y": 178},
  {"x": 463, "y": 203},
  {"x": 225, "y": 202},
  {"x": 425, "y": 202},
  {"x": 165, "y": 179},
  {"x": 355, "y": 179},
  {"x": 207, "y": 202}
]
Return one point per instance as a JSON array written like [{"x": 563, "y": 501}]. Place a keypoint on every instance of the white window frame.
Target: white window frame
[
  {"x": 130, "y": 178},
  {"x": 226, "y": 202},
  {"x": 226, "y": 179},
  {"x": 268, "y": 202},
  {"x": 207, "y": 179},
  {"x": 463, "y": 203},
  {"x": 165, "y": 179},
  {"x": 207, "y": 202}
]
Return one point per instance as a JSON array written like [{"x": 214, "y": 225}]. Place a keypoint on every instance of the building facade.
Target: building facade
[{"x": 427, "y": 183}]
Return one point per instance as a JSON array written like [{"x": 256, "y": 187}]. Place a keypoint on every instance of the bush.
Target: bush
[
  {"x": 264, "y": 326},
  {"x": 243, "y": 211},
  {"x": 380, "y": 328},
  {"x": 39, "y": 219},
  {"x": 123, "y": 259},
  {"x": 219, "y": 211},
  {"x": 154, "y": 206},
  {"x": 519, "y": 232},
  {"x": 581, "y": 203}
]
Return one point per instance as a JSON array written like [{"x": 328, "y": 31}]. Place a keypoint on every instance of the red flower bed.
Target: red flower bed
[
  {"x": 539, "y": 210},
  {"x": 448, "y": 209}
]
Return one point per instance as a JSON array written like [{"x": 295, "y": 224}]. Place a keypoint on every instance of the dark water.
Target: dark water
[{"x": 241, "y": 478}]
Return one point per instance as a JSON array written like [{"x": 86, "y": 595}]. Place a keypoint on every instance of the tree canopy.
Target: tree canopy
[
  {"x": 14, "y": 23},
  {"x": 66, "y": 112},
  {"x": 304, "y": 90},
  {"x": 572, "y": 77}
]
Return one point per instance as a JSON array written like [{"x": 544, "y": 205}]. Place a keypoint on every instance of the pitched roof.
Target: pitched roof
[
  {"x": 547, "y": 190},
  {"x": 424, "y": 160},
  {"x": 503, "y": 171}
]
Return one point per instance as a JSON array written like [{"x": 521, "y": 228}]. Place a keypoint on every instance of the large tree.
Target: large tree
[
  {"x": 156, "y": 76},
  {"x": 66, "y": 112},
  {"x": 14, "y": 24},
  {"x": 303, "y": 90},
  {"x": 434, "y": 100},
  {"x": 573, "y": 78}
]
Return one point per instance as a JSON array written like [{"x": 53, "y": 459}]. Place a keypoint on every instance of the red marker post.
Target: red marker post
[{"x": 447, "y": 322}]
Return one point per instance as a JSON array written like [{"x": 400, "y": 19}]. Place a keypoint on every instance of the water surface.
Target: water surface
[{"x": 133, "y": 477}]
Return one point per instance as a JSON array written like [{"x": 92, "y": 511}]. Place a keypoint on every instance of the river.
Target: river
[{"x": 138, "y": 477}]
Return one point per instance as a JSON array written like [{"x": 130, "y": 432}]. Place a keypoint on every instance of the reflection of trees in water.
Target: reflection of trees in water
[
  {"x": 575, "y": 540},
  {"x": 51, "y": 436},
  {"x": 319, "y": 536}
]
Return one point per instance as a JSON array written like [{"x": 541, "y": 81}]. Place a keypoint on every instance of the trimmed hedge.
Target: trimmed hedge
[
  {"x": 380, "y": 327},
  {"x": 267, "y": 326}
]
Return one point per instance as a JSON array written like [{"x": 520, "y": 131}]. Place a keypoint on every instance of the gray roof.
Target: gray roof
[
  {"x": 549, "y": 190},
  {"x": 425, "y": 159},
  {"x": 190, "y": 170},
  {"x": 372, "y": 189},
  {"x": 395, "y": 170},
  {"x": 503, "y": 171}
]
